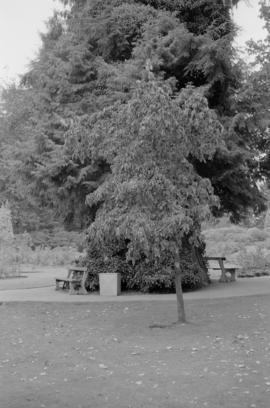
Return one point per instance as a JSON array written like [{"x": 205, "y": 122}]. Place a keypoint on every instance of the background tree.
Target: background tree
[
  {"x": 92, "y": 55},
  {"x": 18, "y": 161},
  {"x": 253, "y": 99}
]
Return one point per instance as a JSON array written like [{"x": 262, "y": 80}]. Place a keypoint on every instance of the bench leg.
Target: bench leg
[
  {"x": 223, "y": 277},
  {"x": 82, "y": 290},
  {"x": 57, "y": 287},
  {"x": 66, "y": 285},
  {"x": 77, "y": 289},
  {"x": 72, "y": 289},
  {"x": 232, "y": 271}
]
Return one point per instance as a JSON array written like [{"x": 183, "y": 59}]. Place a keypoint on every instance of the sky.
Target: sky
[
  {"x": 21, "y": 21},
  {"x": 246, "y": 16}
]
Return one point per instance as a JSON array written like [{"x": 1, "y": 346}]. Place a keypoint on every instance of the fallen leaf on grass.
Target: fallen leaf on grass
[{"x": 102, "y": 366}]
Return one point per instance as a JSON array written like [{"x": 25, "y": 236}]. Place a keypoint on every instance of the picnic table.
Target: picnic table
[
  {"x": 74, "y": 282},
  {"x": 224, "y": 268}
]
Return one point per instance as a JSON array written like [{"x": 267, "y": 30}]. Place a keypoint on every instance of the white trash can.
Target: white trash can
[{"x": 109, "y": 284}]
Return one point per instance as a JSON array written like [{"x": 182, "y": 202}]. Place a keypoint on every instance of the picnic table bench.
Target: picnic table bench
[
  {"x": 228, "y": 268},
  {"x": 74, "y": 282}
]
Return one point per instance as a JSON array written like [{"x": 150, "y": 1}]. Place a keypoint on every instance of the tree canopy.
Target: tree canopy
[{"x": 92, "y": 55}]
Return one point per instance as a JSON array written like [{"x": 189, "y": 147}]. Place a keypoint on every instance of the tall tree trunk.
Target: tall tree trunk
[{"x": 179, "y": 294}]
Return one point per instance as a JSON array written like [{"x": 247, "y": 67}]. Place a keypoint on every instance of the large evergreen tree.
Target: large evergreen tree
[{"x": 92, "y": 57}]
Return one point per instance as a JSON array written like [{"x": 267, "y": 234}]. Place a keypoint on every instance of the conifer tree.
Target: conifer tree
[{"x": 95, "y": 62}]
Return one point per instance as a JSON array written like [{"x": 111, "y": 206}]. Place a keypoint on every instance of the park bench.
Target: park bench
[
  {"x": 74, "y": 282},
  {"x": 224, "y": 268}
]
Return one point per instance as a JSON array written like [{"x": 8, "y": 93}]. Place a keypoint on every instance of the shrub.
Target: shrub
[
  {"x": 254, "y": 259},
  {"x": 9, "y": 265},
  {"x": 6, "y": 230},
  {"x": 248, "y": 247},
  {"x": 257, "y": 234},
  {"x": 58, "y": 237},
  {"x": 143, "y": 276},
  {"x": 51, "y": 256},
  {"x": 20, "y": 252},
  {"x": 266, "y": 243}
]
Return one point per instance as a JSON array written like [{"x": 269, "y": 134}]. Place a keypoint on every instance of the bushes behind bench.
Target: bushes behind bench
[{"x": 143, "y": 276}]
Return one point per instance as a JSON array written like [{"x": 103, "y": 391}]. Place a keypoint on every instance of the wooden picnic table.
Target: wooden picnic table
[{"x": 229, "y": 268}]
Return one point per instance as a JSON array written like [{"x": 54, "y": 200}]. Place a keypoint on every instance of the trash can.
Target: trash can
[{"x": 109, "y": 284}]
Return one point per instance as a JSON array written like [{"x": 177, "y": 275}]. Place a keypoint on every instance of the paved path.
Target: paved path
[
  {"x": 39, "y": 287},
  {"x": 38, "y": 278}
]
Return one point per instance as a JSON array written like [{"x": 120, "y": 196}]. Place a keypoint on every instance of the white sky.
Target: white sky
[
  {"x": 246, "y": 16},
  {"x": 21, "y": 21}
]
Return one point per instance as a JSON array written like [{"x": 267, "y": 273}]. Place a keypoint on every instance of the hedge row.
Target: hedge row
[{"x": 144, "y": 276}]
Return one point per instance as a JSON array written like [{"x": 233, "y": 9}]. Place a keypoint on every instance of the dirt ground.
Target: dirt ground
[{"x": 113, "y": 355}]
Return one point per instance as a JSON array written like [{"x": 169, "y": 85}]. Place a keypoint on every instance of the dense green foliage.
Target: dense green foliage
[
  {"x": 92, "y": 55},
  {"x": 253, "y": 98},
  {"x": 144, "y": 276}
]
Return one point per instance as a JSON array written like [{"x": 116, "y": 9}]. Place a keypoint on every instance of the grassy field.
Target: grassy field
[{"x": 116, "y": 355}]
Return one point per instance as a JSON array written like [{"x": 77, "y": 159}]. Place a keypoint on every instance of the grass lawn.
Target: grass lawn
[{"x": 109, "y": 355}]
